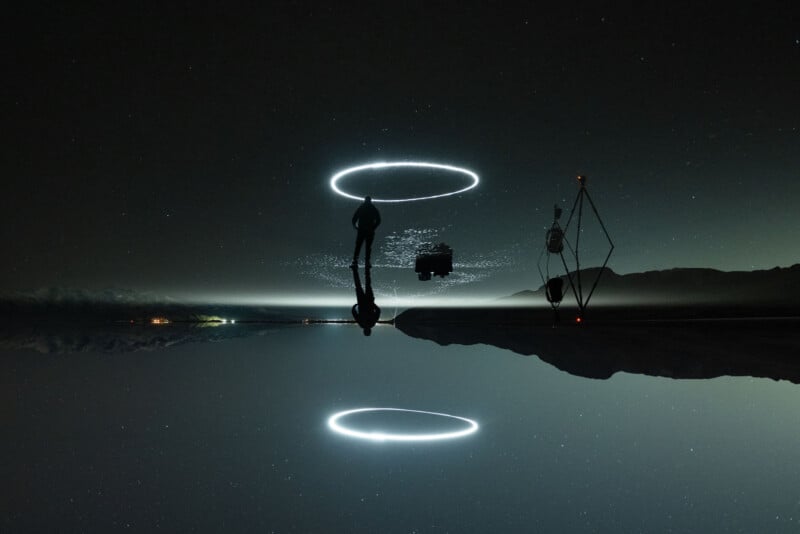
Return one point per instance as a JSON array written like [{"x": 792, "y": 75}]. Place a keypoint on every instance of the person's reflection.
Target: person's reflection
[{"x": 365, "y": 311}]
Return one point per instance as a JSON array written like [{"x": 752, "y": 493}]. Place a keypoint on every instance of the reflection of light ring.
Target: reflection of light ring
[
  {"x": 382, "y": 165},
  {"x": 333, "y": 423}
]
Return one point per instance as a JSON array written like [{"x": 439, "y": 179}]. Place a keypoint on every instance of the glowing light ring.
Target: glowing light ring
[
  {"x": 388, "y": 165},
  {"x": 333, "y": 424}
]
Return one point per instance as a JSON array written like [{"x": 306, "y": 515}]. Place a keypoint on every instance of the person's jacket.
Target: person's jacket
[{"x": 367, "y": 217}]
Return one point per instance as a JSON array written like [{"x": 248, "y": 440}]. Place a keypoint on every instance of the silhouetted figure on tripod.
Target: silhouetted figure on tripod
[
  {"x": 365, "y": 311},
  {"x": 366, "y": 219}
]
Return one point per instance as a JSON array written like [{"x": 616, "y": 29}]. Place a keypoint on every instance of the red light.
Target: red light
[{"x": 578, "y": 320}]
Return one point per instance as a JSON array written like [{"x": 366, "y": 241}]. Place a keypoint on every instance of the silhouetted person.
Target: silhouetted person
[
  {"x": 366, "y": 219},
  {"x": 365, "y": 311}
]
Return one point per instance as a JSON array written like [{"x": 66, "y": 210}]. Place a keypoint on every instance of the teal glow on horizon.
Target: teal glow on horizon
[{"x": 337, "y": 301}]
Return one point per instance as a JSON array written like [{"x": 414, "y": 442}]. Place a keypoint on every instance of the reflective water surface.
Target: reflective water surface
[{"x": 231, "y": 435}]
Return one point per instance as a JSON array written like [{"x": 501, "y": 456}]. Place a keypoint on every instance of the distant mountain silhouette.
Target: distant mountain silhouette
[
  {"x": 776, "y": 287},
  {"x": 60, "y": 321},
  {"x": 120, "y": 338},
  {"x": 73, "y": 295},
  {"x": 693, "y": 323},
  {"x": 71, "y": 305}
]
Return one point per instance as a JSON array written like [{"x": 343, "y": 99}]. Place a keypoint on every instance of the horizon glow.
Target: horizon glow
[
  {"x": 386, "y": 165},
  {"x": 345, "y": 301},
  {"x": 380, "y": 436}
]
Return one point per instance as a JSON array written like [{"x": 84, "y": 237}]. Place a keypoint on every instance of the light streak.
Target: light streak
[
  {"x": 414, "y": 164},
  {"x": 283, "y": 300},
  {"x": 381, "y": 436}
]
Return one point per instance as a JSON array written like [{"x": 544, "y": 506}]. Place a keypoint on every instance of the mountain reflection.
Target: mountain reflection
[
  {"x": 672, "y": 348},
  {"x": 120, "y": 338}
]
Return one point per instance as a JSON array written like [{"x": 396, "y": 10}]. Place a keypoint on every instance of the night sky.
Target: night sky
[{"x": 187, "y": 152}]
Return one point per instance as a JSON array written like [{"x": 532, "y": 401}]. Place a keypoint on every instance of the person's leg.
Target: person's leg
[
  {"x": 359, "y": 289},
  {"x": 359, "y": 240},
  {"x": 368, "y": 253}
]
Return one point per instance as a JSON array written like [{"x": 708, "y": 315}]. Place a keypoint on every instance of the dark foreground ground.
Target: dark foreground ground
[{"x": 208, "y": 427}]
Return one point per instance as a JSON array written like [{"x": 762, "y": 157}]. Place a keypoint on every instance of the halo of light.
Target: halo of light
[
  {"x": 379, "y": 436},
  {"x": 387, "y": 165}
]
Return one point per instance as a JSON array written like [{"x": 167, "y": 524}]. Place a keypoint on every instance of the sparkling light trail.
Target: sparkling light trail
[
  {"x": 389, "y": 165},
  {"x": 381, "y": 436}
]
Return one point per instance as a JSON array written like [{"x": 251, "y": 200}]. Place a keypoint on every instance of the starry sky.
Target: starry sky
[{"x": 187, "y": 150}]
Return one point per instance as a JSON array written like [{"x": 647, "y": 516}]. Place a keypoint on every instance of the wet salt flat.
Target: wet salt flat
[
  {"x": 232, "y": 435},
  {"x": 393, "y": 260}
]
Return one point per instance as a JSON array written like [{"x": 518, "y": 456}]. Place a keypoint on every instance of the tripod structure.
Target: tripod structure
[{"x": 555, "y": 239}]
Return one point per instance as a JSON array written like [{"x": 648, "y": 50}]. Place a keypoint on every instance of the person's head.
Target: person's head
[
  {"x": 367, "y": 200},
  {"x": 367, "y": 331}
]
